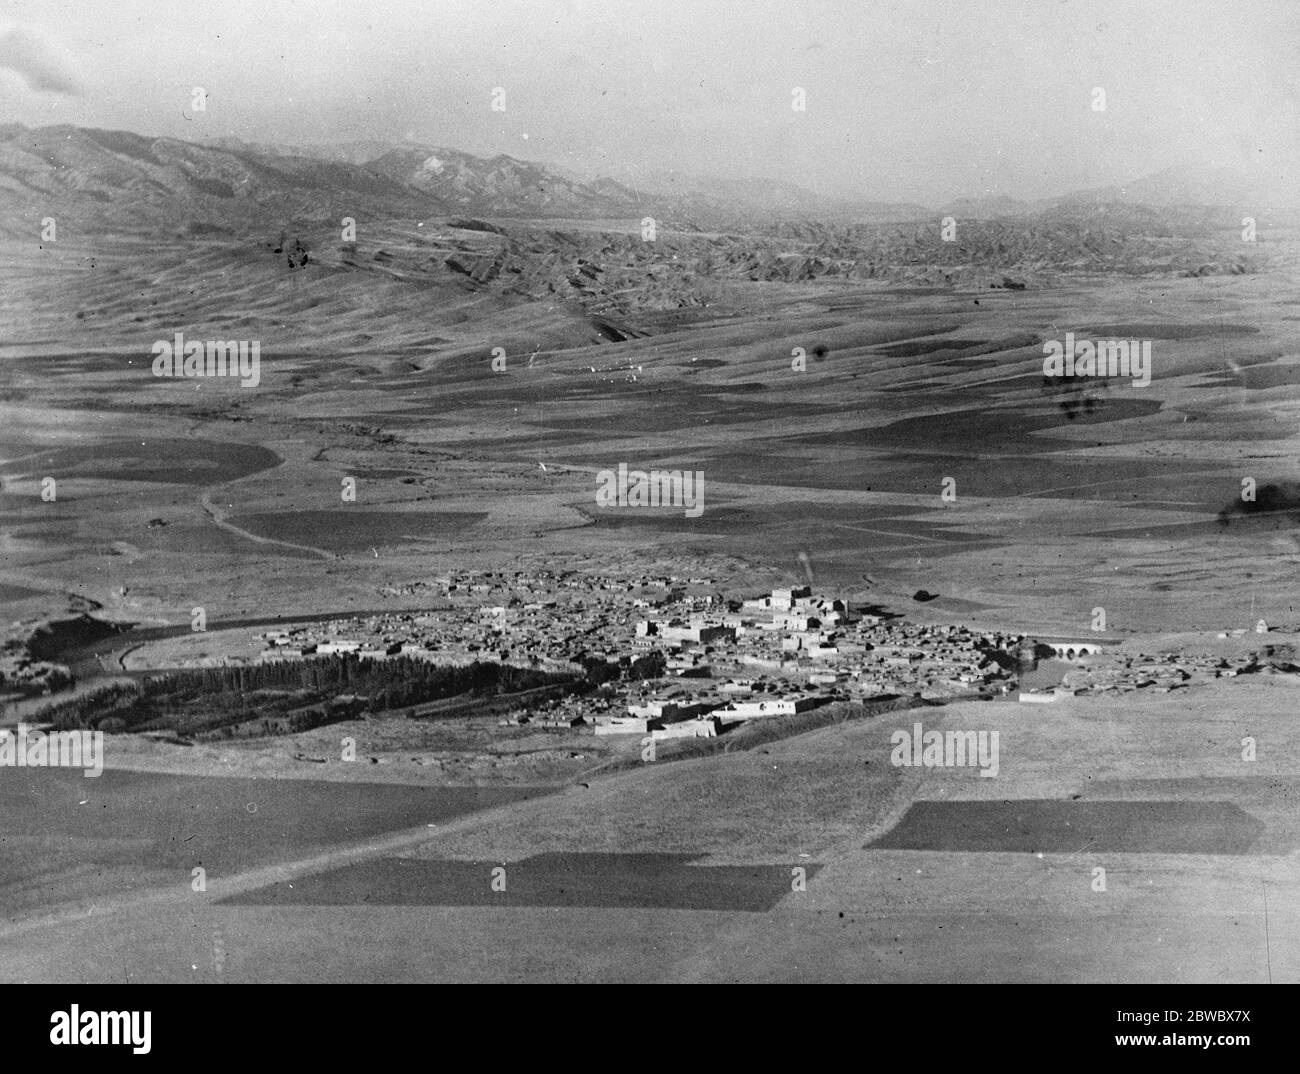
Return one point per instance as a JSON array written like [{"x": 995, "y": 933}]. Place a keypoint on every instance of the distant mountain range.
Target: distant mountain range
[
  {"x": 717, "y": 196},
  {"x": 147, "y": 181},
  {"x": 1169, "y": 189},
  {"x": 1175, "y": 188}
]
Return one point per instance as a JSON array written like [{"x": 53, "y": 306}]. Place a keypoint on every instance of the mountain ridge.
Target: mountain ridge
[{"x": 143, "y": 180}]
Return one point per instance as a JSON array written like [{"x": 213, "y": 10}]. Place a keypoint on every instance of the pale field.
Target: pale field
[{"x": 815, "y": 802}]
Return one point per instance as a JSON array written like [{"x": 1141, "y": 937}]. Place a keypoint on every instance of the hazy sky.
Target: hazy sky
[{"x": 916, "y": 100}]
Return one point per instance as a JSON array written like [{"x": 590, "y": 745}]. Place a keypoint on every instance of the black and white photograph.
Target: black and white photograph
[{"x": 612, "y": 491}]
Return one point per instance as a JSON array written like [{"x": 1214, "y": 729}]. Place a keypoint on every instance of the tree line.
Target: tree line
[{"x": 193, "y": 700}]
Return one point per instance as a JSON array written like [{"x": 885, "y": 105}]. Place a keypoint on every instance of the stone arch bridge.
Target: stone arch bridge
[{"x": 1072, "y": 650}]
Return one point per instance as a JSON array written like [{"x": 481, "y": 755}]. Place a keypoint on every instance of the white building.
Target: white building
[
  {"x": 620, "y": 725},
  {"x": 783, "y": 599},
  {"x": 771, "y": 706},
  {"x": 698, "y": 728}
]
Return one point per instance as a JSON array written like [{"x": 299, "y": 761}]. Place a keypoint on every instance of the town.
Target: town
[{"x": 687, "y": 660}]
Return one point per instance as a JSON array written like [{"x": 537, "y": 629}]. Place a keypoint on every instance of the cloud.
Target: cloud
[{"x": 36, "y": 62}]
